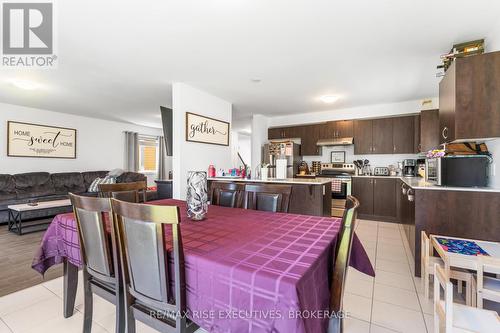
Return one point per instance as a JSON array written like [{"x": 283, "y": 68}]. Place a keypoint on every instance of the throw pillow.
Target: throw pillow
[
  {"x": 116, "y": 172},
  {"x": 94, "y": 187}
]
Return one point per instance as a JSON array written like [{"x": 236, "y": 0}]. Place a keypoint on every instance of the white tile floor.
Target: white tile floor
[{"x": 390, "y": 302}]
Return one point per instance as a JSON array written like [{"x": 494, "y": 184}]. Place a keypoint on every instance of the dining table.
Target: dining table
[{"x": 245, "y": 270}]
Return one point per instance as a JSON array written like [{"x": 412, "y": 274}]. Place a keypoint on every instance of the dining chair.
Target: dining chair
[
  {"x": 452, "y": 317},
  {"x": 488, "y": 287},
  {"x": 266, "y": 197},
  {"x": 227, "y": 194},
  {"x": 341, "y": 265},
  {"x": 151, "y": 286},
  {"x": 427, "y": 264},
  {"x": 134, "y": 190},
  {"x": 101, "y": 264}
]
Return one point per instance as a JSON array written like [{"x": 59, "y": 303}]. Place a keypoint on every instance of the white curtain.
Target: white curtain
[{"x": 131, "y": 151}]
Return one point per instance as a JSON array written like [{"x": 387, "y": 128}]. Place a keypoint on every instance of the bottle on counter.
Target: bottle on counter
[{"x": 211, "y": 171}]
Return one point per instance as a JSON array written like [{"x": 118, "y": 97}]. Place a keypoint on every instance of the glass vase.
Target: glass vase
[{"x": 197, "y": 198}]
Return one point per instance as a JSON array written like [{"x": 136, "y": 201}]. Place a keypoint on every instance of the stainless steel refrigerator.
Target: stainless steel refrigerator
[{"x": 282, "y": 150}]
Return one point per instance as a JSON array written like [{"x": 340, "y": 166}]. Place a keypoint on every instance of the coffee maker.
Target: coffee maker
[{"x": 409, "y": 168}]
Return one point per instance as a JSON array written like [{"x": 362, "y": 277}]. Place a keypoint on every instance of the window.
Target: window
[{"x": 148, "y": 154}]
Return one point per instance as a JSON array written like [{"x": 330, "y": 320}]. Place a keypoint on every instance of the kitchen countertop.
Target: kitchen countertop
[
  {"x": 292, "y": 181},
  {"x": 419, "y": 183}
]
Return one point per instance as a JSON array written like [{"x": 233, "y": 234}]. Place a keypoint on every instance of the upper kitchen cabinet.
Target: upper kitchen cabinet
[
  {"x": 429, "y": 130},
  {"x": 469, "y": 98},
  {"x": 383, "y": 136},
  {"x": 403, "y": 135},
  {"x": 344, "y": 129},
  {"x": 363, "y": 137},
  {"x": 284, "y": 132},
  {"x": 310, "y": 134}
]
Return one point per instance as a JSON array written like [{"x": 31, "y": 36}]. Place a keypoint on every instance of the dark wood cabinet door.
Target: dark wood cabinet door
[
  {"x": 274, "y": 133},
  {"x": 325, "y": 131},
  {"x": 363, "y": 137},
  {"x": 382, "y": 142},
  {"x": 477, "y": 88},
  {"x": 344, "y": 128},
  {"x": 362, "y": 189},
  {"x": 384, "y": 197},
  {"x": 403, "y": 135},
  {"x": 309, "y": 138},
  {"x": 292, "y": 132},
  {"x": 416, "y": 132},
  {"x": 429, "y": 130},
  {"x": 447, "y": 99}
]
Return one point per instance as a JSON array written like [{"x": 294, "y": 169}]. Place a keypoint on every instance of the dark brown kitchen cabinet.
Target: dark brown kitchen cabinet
[
  {"x": 274, "y": 133},
  {"x": 429, "y": 130},
  {"x": 284, "y": 132},
  {"x": 416, "y": 134},
  {"x": 377, "y": 197},
  {"x": 342, "y": 128},
  {"x": 382, "y": 140},
  {"x": 384, "y": 198},
  {"x": 403, "y": 135},
  {"x": 363, "y": 137},
  {"x": 469, "y": 98},
  {"x": 310, "y": 135},
  {"x": 362, "y": 189}
]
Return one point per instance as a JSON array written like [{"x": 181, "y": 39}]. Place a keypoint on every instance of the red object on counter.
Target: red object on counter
[{"x": 211, "y": 171}]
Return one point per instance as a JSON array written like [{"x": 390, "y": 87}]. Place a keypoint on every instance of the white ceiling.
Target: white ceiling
[{"x": 118, "y": 58}]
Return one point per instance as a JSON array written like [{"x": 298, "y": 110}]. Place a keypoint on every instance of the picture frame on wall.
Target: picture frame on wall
[
  {"x": 41, "y": 141},
  {"x": 208, "y": 130},
  {"x": 338, "y": 156}
]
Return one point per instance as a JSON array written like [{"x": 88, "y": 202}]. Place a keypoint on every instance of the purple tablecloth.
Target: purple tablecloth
[{"x": 246, "y": 271}]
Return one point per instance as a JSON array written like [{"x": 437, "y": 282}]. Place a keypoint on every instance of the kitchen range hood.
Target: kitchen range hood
[{"x": 335, "y": 142}]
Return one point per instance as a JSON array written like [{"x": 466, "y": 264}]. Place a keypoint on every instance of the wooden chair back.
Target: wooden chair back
[
  {"x": 425, "y": 251},
  {"x": 443, "y": 311},
  {"x": 267, "y": 197},
  {"x": 227, "y": 194},
  {"x": 491, "y": 289},
  {"x": 142, "y": 230},
  {"x": 97, "y": 245},
  {"x": 342, "y": 257},
  {"x": 136, "y": 190}
]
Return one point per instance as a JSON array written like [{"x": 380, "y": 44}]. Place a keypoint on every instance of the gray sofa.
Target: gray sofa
[{"x": 43, "y": 186}]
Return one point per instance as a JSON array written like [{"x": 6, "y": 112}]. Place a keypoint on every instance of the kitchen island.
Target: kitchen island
[{"x": 308, "y": 197}]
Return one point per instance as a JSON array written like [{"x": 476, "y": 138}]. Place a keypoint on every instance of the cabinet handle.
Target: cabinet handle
[
  {"x": 445, "y": 132},
  {"x": 375, "y": 181},
  {"x": 394, "y": 147}
]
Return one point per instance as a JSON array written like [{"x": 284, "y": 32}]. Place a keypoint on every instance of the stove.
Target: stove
[{"x": 342, "y": 172}]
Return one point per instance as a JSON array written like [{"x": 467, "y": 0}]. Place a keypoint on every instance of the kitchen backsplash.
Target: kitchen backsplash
[{"x": 375, "y": 160}]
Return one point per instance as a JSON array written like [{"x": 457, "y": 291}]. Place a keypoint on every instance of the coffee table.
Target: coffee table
[{"x": 16, "y": 212}]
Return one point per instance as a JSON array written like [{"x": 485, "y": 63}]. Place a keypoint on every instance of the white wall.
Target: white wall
[
  {"x": 192, "y": 156},
  {"x": 260, "y": 124},
  {"x": 493, "y": 44},
  {"x": 241, "y": 143},
  {"x": 100, "y": 143}
]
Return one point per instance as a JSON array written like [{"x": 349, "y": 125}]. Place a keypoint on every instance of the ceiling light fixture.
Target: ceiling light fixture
[
  {"x": 24, "y": 84},
  {"x": 256, "y": 80},
  {"x": 329, "y": 99}
]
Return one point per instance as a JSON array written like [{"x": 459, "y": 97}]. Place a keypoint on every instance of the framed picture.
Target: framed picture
[
  {"x": 338, "y": 157},
  {"x": 206, "y": 130},
  {"x": 33, "y": 140}
]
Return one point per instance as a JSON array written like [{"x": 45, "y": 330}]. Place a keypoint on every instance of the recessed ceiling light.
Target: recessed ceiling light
[
  {"x": 256, "y": 80},
  {"x": 24, "y": 84},
  {"x": 329, "y": 99}
]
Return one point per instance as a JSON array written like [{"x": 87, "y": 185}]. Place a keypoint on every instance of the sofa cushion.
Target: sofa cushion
[
  {"x": 90, "y": 176},
  {"x": 33, "y": 184},
  {"x": 68, "y": 182},
  {"x": 7, "y": 188},
  {"x": 130, "y": 177}
]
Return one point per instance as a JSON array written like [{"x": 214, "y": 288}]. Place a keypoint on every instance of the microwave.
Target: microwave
[{"x": 460, "y": 171}]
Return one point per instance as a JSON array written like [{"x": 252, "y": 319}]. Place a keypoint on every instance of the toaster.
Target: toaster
[{"x": 381, "y": 171}]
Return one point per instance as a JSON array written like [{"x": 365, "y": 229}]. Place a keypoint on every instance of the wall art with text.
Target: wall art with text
[
  {"x": 206, "y": 130},
  {"x": 33, "y": 140}
]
